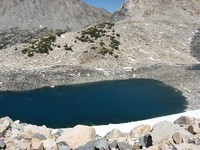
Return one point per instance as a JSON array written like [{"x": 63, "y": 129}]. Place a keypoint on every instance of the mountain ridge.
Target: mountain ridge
[{"x": 58, "y": 14}]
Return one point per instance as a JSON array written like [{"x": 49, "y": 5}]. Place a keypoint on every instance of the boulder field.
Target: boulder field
[{"x": 182, "y": 134}]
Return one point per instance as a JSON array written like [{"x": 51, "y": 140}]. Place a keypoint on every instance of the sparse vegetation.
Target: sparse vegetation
[
  {"x": 68, "y": 48},
  {"x": 59, "y": 32},
  {"x": 104, "y": 34},
  {"x": 43, "y": 45},
  {"x": 94, "y": 48}
]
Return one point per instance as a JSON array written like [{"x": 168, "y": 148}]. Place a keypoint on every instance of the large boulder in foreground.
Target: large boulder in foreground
[
  {"x": 184, "y": 120},
  {"x": 4, "y": 125},
  {"x": 139, "y": 131},
  {"x": 77, "y": 136},
  {"x": 116, "y": 134},
  {"x": 164, "y": 131}
]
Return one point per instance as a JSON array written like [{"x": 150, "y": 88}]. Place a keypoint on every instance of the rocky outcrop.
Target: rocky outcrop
[
  {"x": 58, "y": 14},
  {"x": 195, "y": 45},
  {"x": 77, "y": 136},
  {"x": 4, "y": 125},
  {"x": 159, "y": 10},
  {"x": 164, "y": 130},
  {"x": 163, "y": 135}
]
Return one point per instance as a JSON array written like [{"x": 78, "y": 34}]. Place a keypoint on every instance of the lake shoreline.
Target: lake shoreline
[{"x": 180, "y": 77}]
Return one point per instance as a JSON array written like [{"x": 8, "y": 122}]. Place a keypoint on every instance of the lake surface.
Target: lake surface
[
  {"x": 93, "y": 103},
  {"x": 195, "y": 67}
]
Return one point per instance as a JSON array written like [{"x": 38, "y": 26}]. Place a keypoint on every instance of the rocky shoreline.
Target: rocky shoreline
[
  {"x": 181, "y": 77},
  {"x": 183, "y": 133}
]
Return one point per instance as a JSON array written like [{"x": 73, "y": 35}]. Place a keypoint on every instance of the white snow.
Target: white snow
[{"x": 127, "y": 127}]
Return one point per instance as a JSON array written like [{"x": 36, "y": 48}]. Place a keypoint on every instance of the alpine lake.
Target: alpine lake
[{"x": 96, "y": 103}]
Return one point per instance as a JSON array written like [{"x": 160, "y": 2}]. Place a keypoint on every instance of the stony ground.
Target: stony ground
[
  {"x": 183, "y": 134},
  {"x": 182, "y": 77}
]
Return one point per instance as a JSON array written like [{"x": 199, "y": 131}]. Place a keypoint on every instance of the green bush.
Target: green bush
[
  {"x": 68, "y": 48},
  {"x": 105, "y": 51},
  {"x": 43, "y": 45}
]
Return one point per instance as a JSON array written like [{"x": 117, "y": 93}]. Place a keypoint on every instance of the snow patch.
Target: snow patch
[{"x": 102, "y": 130}]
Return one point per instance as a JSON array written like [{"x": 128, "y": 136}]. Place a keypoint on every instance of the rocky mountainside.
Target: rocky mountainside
[
  {"x": 54, "y": 14},
  {"x": 150, "y": 32},
  {"x": 178, "y": 11}
]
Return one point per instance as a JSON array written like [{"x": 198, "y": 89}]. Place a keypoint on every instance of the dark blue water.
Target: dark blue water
[
  {"x": 94, "y": 103},
  {"x": 195, "y": 67}
]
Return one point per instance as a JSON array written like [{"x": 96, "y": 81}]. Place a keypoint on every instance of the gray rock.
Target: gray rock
[
  {"x": 88, "y": 146},
  {"x": 61, "y": 144},
  {"x": 39, "y": 136},
  {"x": 194, "y": 129},
  {"x": 37, "y": 145},
  {"x": 4, "y": 125},
  {"x": 139, "y": 131},
  {"x": 177, "y": 138},
  {"x": 146, "y": 141},
  {"x": 114, "y": 144},
  {"x": 58, "y": 133},
  {"x": 184, "y": 120},
  {"x": 185, "y": 146},
  {"x": 101, "y": 144},
  {"x": 116, "y": 134},
  {"x": 77, "y": 136},
  {"x": 64, "y": 148},
  {"x": 136, "y": 147},
  {"x": 195, "y": 141},
  {"x": 2, "y": 144},
  {"x": 49, "y": 144},
  {"x": 124, "y": 146},
  {"x": 23, "y": 145},
  {"x": 164, "y": 130}
]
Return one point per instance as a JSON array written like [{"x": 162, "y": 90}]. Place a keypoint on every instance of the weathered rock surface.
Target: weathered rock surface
[
  {"x": 24, "y": 145},
  {"x": 185, "y": 146},
  {"x": 184, "y": 120},
  {"x": 194, "y": 129},
  {"x": 49, "y": 144},
  {"x": 101, "y": 144},
  {"x": 139, "y": 131},
  {"x": 153, "y": 9},
  {"x": 2, "y": 144},
  {"x": 33, "y": 131},
  {"x": 163, "y": 136},
  {"x": 124, "y": 146},
  {"x": 39, "y": 136},
  {"x": 117, "y": 134},
  {"x": 37, "y": 145},
  {"x": 4, "y": 125},
  {"x": 164, "y": 130},
  {"x": 177, "y": 138},
  {"x": 77, "y": 136},
  {"x": 146, "y": 141}
]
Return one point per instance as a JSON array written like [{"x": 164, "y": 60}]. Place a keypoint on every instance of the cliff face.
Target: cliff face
[
  {"x": 173, "y": 10},
  {"x": 54, "y": 14}
]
